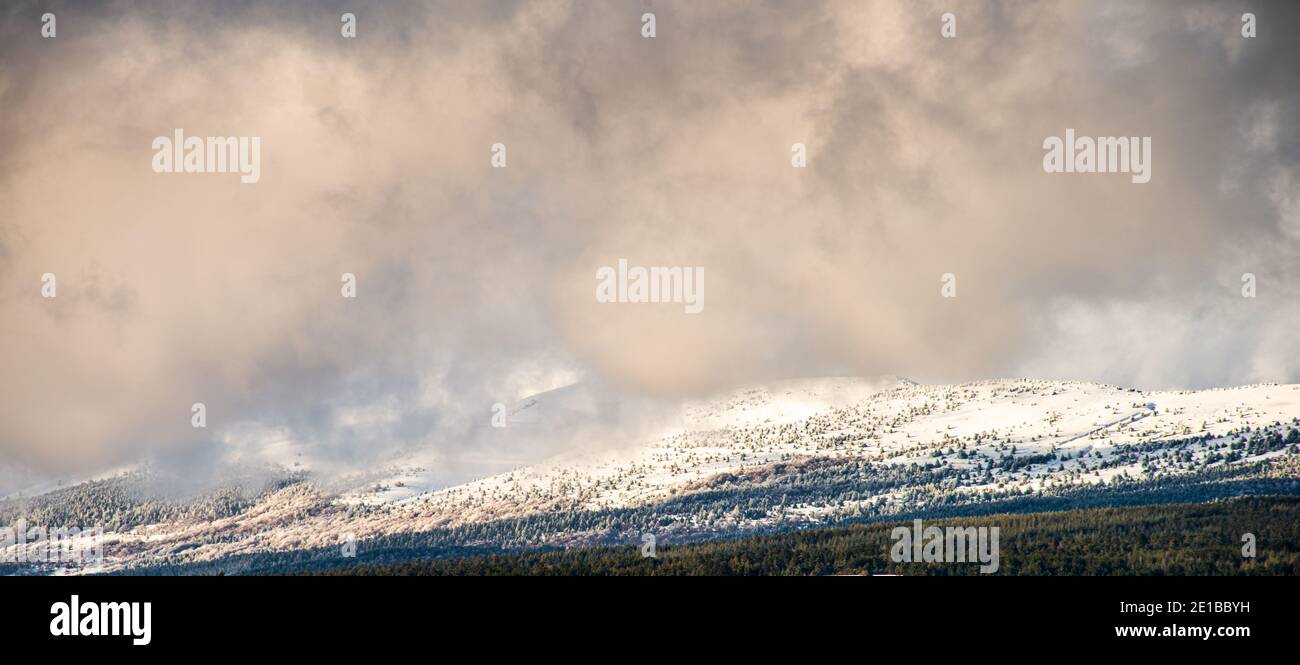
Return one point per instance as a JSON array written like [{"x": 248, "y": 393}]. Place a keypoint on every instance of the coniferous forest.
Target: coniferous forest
[{"x": 1178, "y": 539}]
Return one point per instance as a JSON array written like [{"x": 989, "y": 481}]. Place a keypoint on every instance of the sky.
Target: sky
[{"x": 474, "y": 284}]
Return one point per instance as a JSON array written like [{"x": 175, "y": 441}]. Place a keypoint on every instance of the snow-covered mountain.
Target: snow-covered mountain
[{"x": 766, "y": 457}]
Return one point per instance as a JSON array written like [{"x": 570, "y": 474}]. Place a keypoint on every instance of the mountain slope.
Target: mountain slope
[{"x": 777, "y": 457}]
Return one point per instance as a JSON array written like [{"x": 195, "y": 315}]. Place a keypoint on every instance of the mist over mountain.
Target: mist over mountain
[
  {"x": 474, "y": 284},
  {"x": 765, "y": 458}
]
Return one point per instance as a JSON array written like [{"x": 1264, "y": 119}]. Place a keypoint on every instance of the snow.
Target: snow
[
  {"x": 896, "y": 422},
  {"x": 746, "y": 431}
]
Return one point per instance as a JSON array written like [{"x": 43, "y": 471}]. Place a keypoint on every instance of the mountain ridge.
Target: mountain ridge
[{"x": 780, "y": 456}]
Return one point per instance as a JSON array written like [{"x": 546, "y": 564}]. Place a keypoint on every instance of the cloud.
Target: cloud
[{"x": 475, "y": 284}]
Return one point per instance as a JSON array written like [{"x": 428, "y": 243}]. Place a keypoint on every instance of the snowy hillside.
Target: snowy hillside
[
  {"x": 1084, "y": 426},
  {"x": 777, "y": 456}
]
